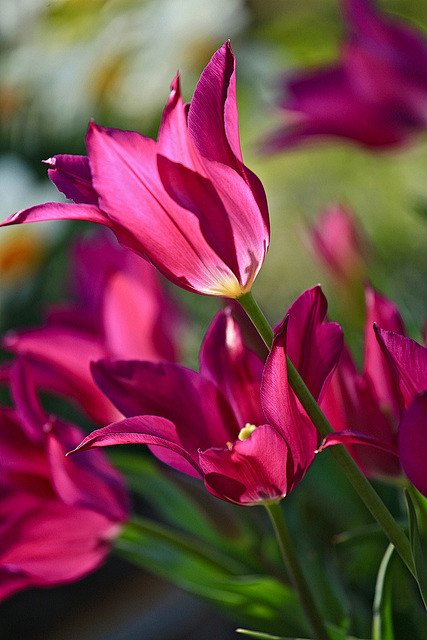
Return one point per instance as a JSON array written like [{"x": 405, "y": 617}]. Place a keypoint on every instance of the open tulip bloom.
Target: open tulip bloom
[
  {"x": 59, "y": 516},
  {"x": 187, "y": 202},
  {"x": 236, "y": 424}
]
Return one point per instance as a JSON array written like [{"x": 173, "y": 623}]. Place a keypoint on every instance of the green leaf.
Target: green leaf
[
  {"x": 382, "y": 621},
  {"x": 334, "y": 633},
  {"x": 183, "y": 504},
  {"x": 263, "y": 636},
  {"x": 416, "y": 548},
  {"x": 208, "y": 572}
]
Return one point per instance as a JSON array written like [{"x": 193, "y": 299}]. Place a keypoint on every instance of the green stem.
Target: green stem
[
  {"x": 288, "y": 552},
  {"x": 365, "y": 490}
]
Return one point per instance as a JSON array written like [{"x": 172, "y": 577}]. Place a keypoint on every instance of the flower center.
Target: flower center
[{"x": 247, "y": 431}]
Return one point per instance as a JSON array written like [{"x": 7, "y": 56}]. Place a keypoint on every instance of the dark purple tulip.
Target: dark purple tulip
[{"x": 376, "y": 94}]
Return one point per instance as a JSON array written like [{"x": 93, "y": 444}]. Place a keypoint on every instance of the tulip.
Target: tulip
[
  {"x": 121, "y": 312},
  {"x": 375, "y": 95},
  {"x": 368, "y": 402},
  {"x": 235, "y": 424},
  {"x": 335, "y": 241},
  {"x": 58, "y": 515},
  {"x": 400, "y": 365},
  {"x": 186, "y": 203}
]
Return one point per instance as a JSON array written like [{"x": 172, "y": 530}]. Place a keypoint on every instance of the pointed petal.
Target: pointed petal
[
  {"x": 71, "y": 176},
  {"x": 314, "y": 346},
  {"x": 86, "y": 481},
  {"x": 385, "y": 314},
  {"x": 413, "y": 442},
  {"x": 200, "y": 412},
  {"x": 408, "y": 361},
  {"x": 124, "y": 173},
  {"x": 349, "y": 403},
  {"x": 233, "y": 368},
  {"x": 251, "y": 471},
  {"x": 160, "y": 434},
  {"x": 59, "y": 211},
  {"x": 355, "y": 437},
  {"x": 174, "y": 140},
  {"x": 284, "y": 411},
  {"x": 212, "y": 118}
]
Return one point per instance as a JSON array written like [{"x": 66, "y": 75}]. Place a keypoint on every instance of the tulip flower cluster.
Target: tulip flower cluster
[{"x": 247, "y": 428}]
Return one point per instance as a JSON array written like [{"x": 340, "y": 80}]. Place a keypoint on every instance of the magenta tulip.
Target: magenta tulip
[
  {"x": 58, "y": 515},
  {"x": 122, "y": 312},
  {"x": 235, "y": 424},
  {"x": 336, "y": 242},
  {"x": 397, "y": 383},
  {"x": 368, "y": 402},
  {"x": 376, "y": 94},
  {"x": 187, "y": 203}
]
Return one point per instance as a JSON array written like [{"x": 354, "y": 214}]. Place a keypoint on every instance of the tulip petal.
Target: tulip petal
[
  {"x": 355, "y": 437},
  {"x": 24, "y": 396},
  {"x": 413, "y": 442},
  {"x": 71, "y": 175},
  {"x": 61, "y": 357},
  {"x": 314, "y": 346},
  {"x": 233, "y": 368},
  {"x": 350, "y": 403},
  {"x": 124, "y": 173},
  {"x": 159, "y": 433},
  {"x": 57, "y": 543},
  {"x": 86, "y": 481},
  {"x": 59, "y": 211},
  {"x": 284, "y": 411},
  {"x": 408, "y": 361},
  {"x": 385, "y": 314},
  {"x": 212, "y": 117},
  {"x": 249, "y": 471},
  {"x": 200, "y": 412}
]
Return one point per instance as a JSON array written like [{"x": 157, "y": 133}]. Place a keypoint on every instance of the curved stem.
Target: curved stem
[
  {"x": 288, "y": 552},
  {"x": 365, "y": 490}
]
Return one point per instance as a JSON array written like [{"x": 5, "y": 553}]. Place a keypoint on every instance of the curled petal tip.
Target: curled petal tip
[{"x": 51, "y": 162}]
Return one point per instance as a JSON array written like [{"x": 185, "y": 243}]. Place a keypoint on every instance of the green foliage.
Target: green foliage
[
  {"x": 416, "y": 548},
  {"x": 202, "y": 570},
  {"x": 382, "y": 621}
]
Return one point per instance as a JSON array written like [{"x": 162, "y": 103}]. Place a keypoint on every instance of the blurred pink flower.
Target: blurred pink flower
[
  {"x": 122, "y": 312},
  {"x": 335, "y": 241},
  {"x": 187, "y": 202},
  {"x": 58, "y": 515},
  {"x": 236, "y": 424},
  {"x": 376, "y": 94},
  {"x": 385, "y": 406}
]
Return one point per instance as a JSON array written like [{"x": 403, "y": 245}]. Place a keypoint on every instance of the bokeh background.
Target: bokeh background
[{"x": 66, "y": 61}]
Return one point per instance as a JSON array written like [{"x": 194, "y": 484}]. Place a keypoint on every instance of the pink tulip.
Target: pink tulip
[
  {"x": 122, "y": 312},
  {"x": 187, "y": 202},
  {"x": 376, "y": 94},
  {"x": 58, "y": 515},
  {"x": 335, "y": 241},
  {"x": 368, "y": 402},
  {"x": 235, "y": 424},
  {"x": 386, "y": 406}
]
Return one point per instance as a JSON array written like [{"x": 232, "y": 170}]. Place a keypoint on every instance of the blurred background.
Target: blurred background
[{"x": 66, "y": 61}]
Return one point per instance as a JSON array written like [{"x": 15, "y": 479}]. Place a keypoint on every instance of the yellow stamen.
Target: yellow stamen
[{"x": 247, "y": 431}]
